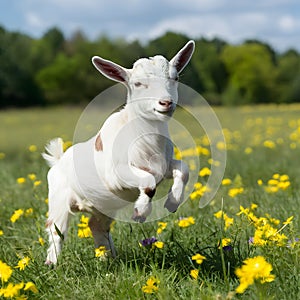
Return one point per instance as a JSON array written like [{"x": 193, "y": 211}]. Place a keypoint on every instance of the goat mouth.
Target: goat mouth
[{"x": 164, "y": 112}]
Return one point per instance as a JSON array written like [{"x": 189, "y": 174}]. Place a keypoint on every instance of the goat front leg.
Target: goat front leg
[
  {"x": 133, "y": 177},
  {"x": 180, "y": 173}
]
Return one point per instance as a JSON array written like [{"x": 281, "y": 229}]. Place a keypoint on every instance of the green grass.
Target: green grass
[{"x": 79, "y": 275}]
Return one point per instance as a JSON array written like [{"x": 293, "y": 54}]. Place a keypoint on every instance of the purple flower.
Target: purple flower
[
  {"x": 148, "y": 241},
  {"x": 227, "y": 248},
  {"x": 251, "y": 240}
]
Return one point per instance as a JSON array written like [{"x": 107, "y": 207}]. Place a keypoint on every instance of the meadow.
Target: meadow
[{"x": 243, "y": 245}]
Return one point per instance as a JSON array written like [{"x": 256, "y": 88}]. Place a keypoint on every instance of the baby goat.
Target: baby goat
[{"x": 126, "y": 159}]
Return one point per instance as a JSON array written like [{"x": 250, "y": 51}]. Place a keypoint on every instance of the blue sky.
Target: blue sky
[{"x": 276, "y": 22}]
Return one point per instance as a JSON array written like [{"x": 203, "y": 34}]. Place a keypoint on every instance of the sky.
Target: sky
[{"x": 276, "y": 22}]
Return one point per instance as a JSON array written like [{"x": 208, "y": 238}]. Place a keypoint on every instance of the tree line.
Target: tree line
[{"x": 56, "y": 70}]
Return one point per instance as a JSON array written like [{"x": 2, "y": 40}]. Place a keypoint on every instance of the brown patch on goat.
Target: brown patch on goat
[
  {"x": 98, "y": 143},
  {"x": 149, "y": 192}
]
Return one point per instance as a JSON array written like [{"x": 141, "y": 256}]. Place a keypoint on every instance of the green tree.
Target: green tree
[{"x": 251, "y": 74}]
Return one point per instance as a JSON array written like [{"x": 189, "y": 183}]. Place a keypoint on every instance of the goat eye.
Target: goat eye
[{"x": 137, "y": 84}]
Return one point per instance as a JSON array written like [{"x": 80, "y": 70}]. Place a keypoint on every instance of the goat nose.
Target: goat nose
[{"x": 165, "y": 103}]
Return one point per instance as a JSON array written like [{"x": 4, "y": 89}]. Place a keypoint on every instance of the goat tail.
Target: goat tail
[{"x": 54, "y": 151}]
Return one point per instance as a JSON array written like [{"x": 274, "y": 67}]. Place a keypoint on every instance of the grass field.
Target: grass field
[{"x": 243, "y": 245}]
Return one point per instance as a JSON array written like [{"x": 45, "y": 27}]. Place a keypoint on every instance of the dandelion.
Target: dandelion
[
  {"x": 5, "y": 271},
  {"x": 204, "y": 172},
  {"x": 16, "y": 215},
  {"x": 198, "y": 258},
  {"x": 28, "y": 212},
  {"x": 259, "y": 182},
  {"x": 1, "y": 232},
  {"x": 194, "y": 274},
  {"x": 151, "y": 285},
  {"x": 32, "y": 176},
  {"x": 30, "y": 286},
  {"x": 235, "y": 191},
  {"x": 24, "y": 262},
  {"x": 226, "y": 181},
  {"x": 21, "y": 180},
  {"x": 32, "y": 148},
  {"x": 161, "y": 226},
  {"x": 253, "y": 269},
  {"x": 84, "y": 230},
  {"x": 12, "y": 290},
  {"x": 101, "y": 252},
  {"x": 186, "y": 222},
  {"x": 37, "y": 183},
  {"x": 41, "y": 241}
]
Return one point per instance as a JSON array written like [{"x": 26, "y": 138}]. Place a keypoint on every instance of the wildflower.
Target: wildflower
[
  {"x": 228, "y": 221},
  {"x": 28, "y": 212},
  {"x": 269, "y": 144},
  {"x": 148, "y": 241},
  {"x": 12, "y": 290},
  {"x": 41, "y": 241},
  {"x": 248, "y": 150},
  {"x": 37, "y": 183},
  {"x": 159, "y": 244},
  {"x": 161, "y": 226},
  {"x": 32, "y": 176},
  {"x": 226, "y": 181},
  {"x": 256, "y": 268},
  {"x": 151, "y": 285},
  {"x": 186, "y": 222},
  {"x": 5, "y": 271},
  {"x": 84, "y": 230},
  {"x": 259, "y": 182},
  {"x": 2, "y": 155},
  {"x": 21, "y": 180},
  {"x": 24, "y": 262},
  {"x": 194, "y": 273},
  {"x": 225, "y": 242},
  {"x": 235, "y": 191},
  {"x": 199, "y": 190},
  {"x": 292, "y": 243},
  {"x": 30, "y": 286},
  {"x": 32, "y": 148},
  {"x": 288, "y": 221},
  {"x": 204, "y": 172},
  {"x": 16, "y": 215},
  {"x": 198, "y": 258},
  {"x": 101, "y": 252},
  {"x": 66, "y": 145},
  {"x": 1, "y": 232}
]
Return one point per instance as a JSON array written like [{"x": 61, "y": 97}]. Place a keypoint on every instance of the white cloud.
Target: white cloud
[{"x": 287, "y": 23}]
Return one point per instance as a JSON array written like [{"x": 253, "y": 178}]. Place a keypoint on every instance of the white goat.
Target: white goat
[{"x": 127, "y": 158}]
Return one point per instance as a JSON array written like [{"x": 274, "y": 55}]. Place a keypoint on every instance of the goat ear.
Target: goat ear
[
  {"x": 181, "y": 59},
  {"x": 110, "y": 69}
]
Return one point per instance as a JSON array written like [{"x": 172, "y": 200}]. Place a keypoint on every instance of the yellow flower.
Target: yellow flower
[
  {"x": 28, "y": 212},
  {"x": 204, "y": 172},
  {"x": 151, "y": 285},
  {"x": 235, "y": 191},
  {"x": 41, "y": 241},
  {"x": 37, "y": 183},
  {"x": 161, "y": 226},
  {"x": 194, "y": 274},
  {"x": 225, "y": 242},
  {"x": 226, "y": 181},
  {"x": 32, "y": 148},
  {"x": 2, "y": 155},
  {"x": 101, "y": 252},
  {"x": 198, "y": 258},
  {"x": 248, "y": 150},
  {"x": 186, "y": 222},
  {"x": 16, "y": 215},
  {"x": 269, "y": 144},
  {"x": 158, "y": 244},
  {"x": 259, "y": 182},
  {"x": 21, "y": 180},
  {"x": 256, "y": 268},
  {"x": 5, "y": 271},
  {"x": 84, "y": 230},
  {"x": 30, "y": 286},
  {"x": 12, "y": 290},
  {"x": 1, "y": 232},
  {"x": 24, "y": 262},
  {"x": 66, "y": 145},
  {"x": 32, "y": 176},
  {"x": 288, "y": 221}
]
